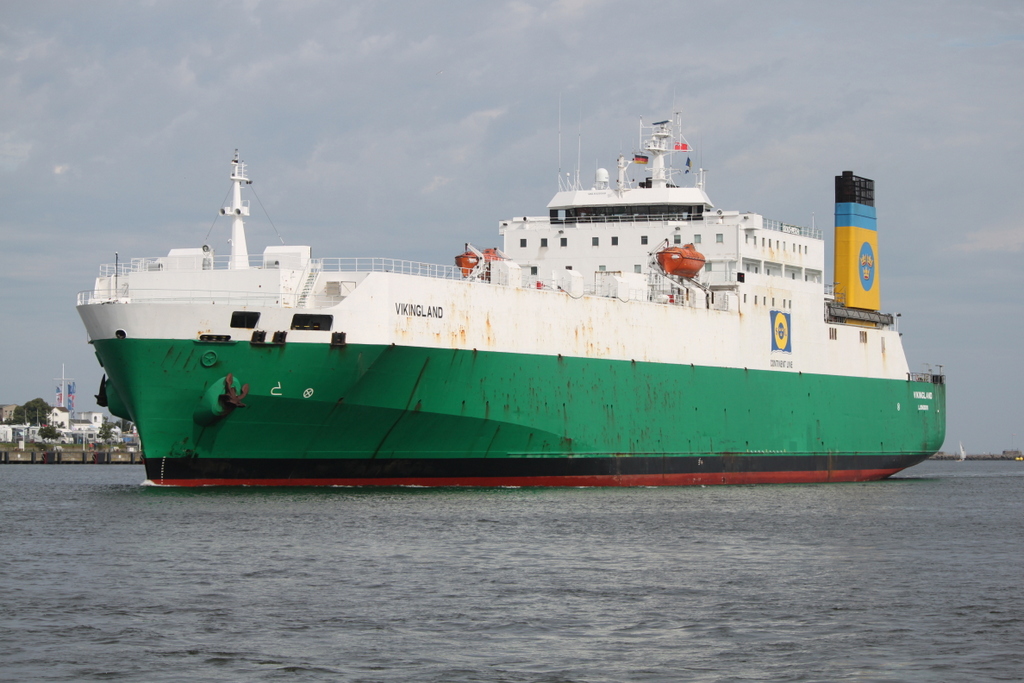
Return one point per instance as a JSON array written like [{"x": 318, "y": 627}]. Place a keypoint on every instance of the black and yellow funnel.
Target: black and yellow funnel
[{"x": 856, "y": 252}]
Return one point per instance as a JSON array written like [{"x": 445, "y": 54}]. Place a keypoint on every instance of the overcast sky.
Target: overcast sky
[{"x": 404, "y": 129}]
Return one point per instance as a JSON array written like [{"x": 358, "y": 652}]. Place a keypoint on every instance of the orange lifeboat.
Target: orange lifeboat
[
  {"x": 684, "y": 261},
  {"x": 467, "y": 262}
]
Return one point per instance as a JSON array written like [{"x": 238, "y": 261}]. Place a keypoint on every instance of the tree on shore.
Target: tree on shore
[
  {"x": 49, "y": 433},
  {"x": 106, "y": 432},
  {"x": 35, "y": 411}
]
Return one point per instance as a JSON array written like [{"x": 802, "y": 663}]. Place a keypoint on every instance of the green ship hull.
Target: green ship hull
[{"x": 320, "y": 414}]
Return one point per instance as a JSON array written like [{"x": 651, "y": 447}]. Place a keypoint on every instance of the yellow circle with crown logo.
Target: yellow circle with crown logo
[{"x": 781, "y": 329}]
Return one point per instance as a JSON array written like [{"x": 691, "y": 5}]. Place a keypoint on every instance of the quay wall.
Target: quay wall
[{"x": 69, "y": 457}]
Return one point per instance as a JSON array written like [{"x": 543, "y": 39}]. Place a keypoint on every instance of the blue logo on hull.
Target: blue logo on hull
[{"x": 781, "y": 340}]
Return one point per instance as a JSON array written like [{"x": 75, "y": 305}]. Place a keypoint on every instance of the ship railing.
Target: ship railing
[
  {"x": 533, "y": 282},
  {"x": 693, "y": 294},
  {"x": 389, "y": 265},
  {"x": 150, "y": 264},
  {"x": 659, "y": 292},
  {"x": 625, "y": 219},
  {"x": 790, "y": 229},
  {"x": 182, "y": 296},
  {"x": 929, "y": 377},
  {"x": 348, "y": 265}
]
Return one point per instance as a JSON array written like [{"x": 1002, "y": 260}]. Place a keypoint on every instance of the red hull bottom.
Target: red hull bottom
[{"x": 684, "y": 479}]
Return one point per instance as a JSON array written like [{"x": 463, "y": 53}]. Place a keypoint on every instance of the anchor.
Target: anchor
[
  {"x": 232, "y": 399},
  {"x": 214, "y": 405}
]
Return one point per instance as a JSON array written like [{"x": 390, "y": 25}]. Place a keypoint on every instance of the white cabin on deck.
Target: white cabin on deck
[
  {"x": 614, "y": 242},
  {"x": 614, "y": 231}
]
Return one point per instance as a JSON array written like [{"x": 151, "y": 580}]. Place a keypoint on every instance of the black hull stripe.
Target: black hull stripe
[{"x": 423, "y": 470}]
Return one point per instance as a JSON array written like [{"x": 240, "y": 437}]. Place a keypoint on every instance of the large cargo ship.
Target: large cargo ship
[{"x": 635, "y": 335}]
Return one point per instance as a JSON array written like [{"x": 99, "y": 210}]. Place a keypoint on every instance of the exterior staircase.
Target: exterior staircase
[{"x": 307, "y": 286}]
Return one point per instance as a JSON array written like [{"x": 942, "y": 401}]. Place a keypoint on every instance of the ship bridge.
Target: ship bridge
[{"x": 637, "y": 205}]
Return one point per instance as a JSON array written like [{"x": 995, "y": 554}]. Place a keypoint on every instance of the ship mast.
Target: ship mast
[
  {"x": 657, "y": 146},
  {"x": 238, "y": 208}
]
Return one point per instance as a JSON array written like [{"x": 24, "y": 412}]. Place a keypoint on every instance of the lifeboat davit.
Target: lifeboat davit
[
  {"x": 684, "y": 261},
  {"x": 468, "y": 260}
]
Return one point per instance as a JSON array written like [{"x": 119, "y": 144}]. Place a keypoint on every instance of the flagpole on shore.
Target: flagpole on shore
[{"x": 65, "y": 393}]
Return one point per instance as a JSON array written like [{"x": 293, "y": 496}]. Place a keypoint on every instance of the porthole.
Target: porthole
[{"x": 121, "y": 334}]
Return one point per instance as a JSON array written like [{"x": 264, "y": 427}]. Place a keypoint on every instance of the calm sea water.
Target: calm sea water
[{"x": 918, "y": 578}]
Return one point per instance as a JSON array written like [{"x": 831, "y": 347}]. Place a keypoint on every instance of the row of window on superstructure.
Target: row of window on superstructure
[
  {"x": 776, "y": 244},
  {"x": 763, "y": 301},
  {"x": 631, "y": 212},
  {"x": 780, "y": 270},
  {"x": 677, "y": 238},
  {"x": 596, "y": 241}
]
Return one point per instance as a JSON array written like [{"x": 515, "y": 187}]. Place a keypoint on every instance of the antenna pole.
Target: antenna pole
[
  {"x": 700, "y": 179},
  {"x": 579, "y": 148},
  {"x": 559, "y": 141}
]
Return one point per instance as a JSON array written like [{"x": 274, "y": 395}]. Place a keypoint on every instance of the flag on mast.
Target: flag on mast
[{"x": 60, "y": 397}]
